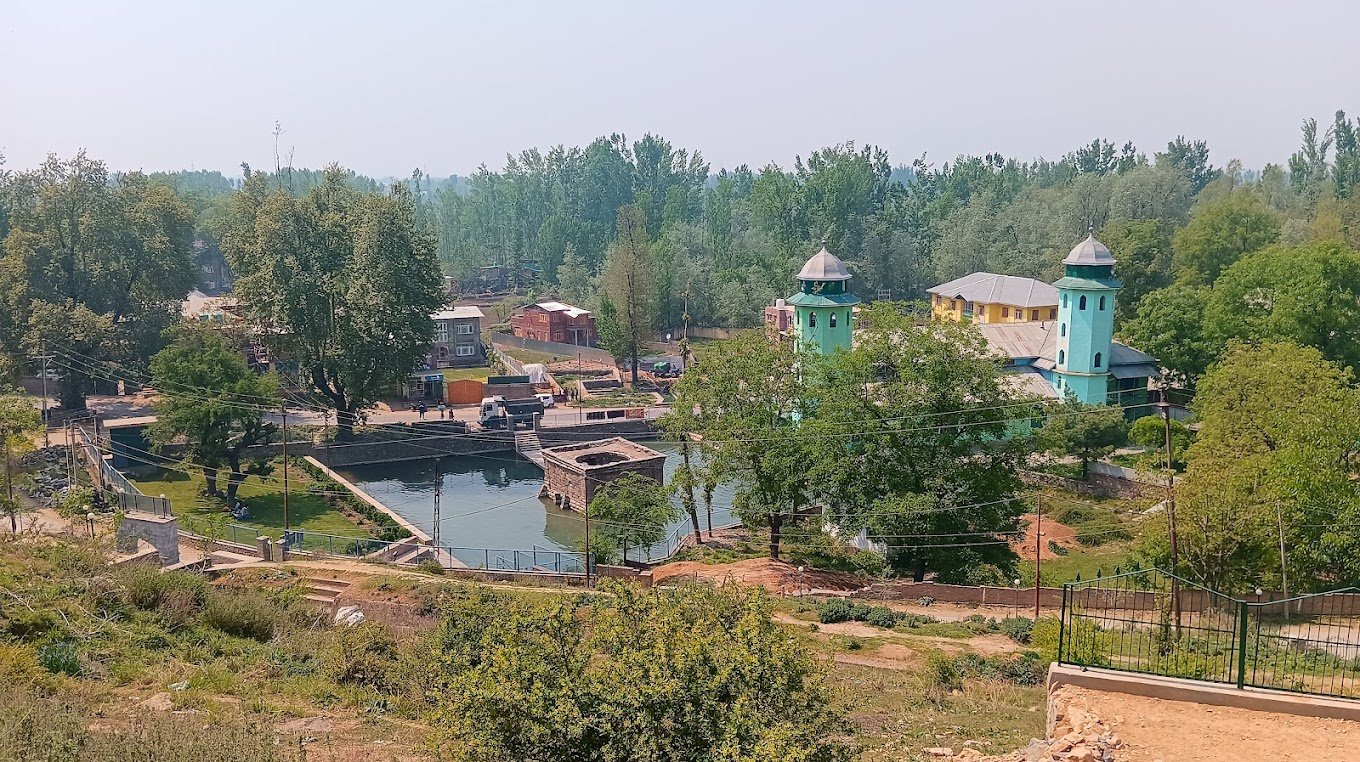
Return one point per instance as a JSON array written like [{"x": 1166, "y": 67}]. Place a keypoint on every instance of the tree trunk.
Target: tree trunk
[
  {"x": 918, "y": 571},
  {"x": 635, "y": 366},
  {"x": 210, "y": 479},
  {"x": 776, "y": 523},
  {"x": 344, "y": 424},
  {"x": 234, "y": 479},
  {"x": 690, "y": 505}
]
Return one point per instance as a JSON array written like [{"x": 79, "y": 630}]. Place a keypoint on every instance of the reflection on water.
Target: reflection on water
[{"x": 491, "y": 501}]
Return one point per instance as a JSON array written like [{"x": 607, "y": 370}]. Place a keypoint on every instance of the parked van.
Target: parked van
[{"x": 546, "y": 399}]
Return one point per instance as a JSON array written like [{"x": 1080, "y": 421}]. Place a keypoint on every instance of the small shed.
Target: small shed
[{"x": 573, "y": 473}]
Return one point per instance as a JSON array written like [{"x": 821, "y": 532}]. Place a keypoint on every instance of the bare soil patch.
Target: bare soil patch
[
  {"x": 776, "y": 576},
  {"x": 1061, "y": 534}
]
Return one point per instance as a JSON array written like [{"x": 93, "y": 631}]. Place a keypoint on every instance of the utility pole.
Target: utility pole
[
  {"x": 44, "y": 357},
  {"x": 11, "y": 508},
  {"x": 587, "y": 509},
  {"x": 1165, "y": 407},
  {"x": 1284, "y": 574},
  {"x": 1038, "y": 548},
  {"x": 438, "y": 483},
  {"x": 283, "y": 407}
]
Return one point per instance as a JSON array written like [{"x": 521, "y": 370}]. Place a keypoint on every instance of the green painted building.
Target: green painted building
[
  {"x": 823, "y": 309},
  {"x": 1086, "y": 322}
]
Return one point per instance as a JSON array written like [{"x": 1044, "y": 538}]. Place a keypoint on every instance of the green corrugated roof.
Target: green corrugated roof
[
  {"x": 1088, "y": 283},
  {"x": 801, "y": 299}
]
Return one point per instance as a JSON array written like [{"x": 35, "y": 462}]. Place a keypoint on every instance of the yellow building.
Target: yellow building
[{"x": 990, "y": 298}]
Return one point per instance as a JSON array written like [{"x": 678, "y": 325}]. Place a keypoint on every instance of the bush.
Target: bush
[
  {"x": 880, "y": 616},
  {"x": 430, "y": 566},
  {"x": 59, "y": 658},
  {"x": 909, "y": 620},
  {"x": 364, "y": 655},
  {"x": 245, "y": 615},
  {"x": 841, "y": 610},
  {"x": 1018, "y": 628},
  {"x": 149, "y": 588}
]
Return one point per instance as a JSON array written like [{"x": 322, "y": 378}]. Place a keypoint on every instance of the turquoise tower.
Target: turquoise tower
[
  {"x": 1086, "y": 322},
  {"x": 823, "y": 309}
]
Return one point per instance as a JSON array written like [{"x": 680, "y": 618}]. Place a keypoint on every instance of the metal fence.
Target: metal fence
[
  {"x": 117, "y": 490},
  {"x": 1153, "y": 622}
]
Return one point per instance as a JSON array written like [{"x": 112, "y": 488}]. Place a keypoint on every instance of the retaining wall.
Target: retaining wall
[
  {"x": 415, "y": 531},
  {"x": 563, "y": 351}
]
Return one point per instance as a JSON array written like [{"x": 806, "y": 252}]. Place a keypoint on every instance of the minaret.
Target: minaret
[
  {"x": 1086, "y": 321},
  {"x": 823, "y": 308}
]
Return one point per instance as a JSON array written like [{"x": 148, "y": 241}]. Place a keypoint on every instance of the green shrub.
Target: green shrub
[
  {"x": 909, "y": 620},
  {"x": 1018, "y": 628},
  {"x": 430, "y": 566},
  {"x": 59, "y": 657},
  {"x": 149, "y": 588},
  {"x": 881, "y": 616},
  {"x": 944, "y": 673},
  {"x": 841, "y": 610},
  {"x": 243, "y": 614},
  {"x": 364, "y": 655}
]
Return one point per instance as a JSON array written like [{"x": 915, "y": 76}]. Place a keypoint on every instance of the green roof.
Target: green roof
[
  {"x": 801, "y": 299},
  {"x": 1088, "y": 283}
]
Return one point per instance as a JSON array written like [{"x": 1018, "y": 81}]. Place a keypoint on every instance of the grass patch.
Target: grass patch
[
  {"x": 1085, "y": 562},
  {"x": 463, "y": 374},
  {"x": 306, "y": 512}
]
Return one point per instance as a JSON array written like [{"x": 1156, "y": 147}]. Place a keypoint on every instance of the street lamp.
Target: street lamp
[
  {"x": 1016, "y": 598},
  {"x": 89, "y": 522}
]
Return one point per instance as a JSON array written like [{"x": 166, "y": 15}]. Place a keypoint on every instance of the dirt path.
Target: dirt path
[{"x": 1173, "y": 731}]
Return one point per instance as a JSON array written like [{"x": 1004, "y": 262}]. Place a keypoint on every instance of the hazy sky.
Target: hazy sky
[{"x": 383, "y": 87}]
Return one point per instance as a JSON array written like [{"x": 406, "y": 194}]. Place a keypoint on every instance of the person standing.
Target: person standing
[
  {"x": 442, "y": 409},
  {"x": 420, "y": 409}
]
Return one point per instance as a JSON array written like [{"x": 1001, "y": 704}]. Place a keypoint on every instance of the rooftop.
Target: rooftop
[
  {"x": 990, "y": 288},
  {"x": 571, "y": 311},
  {"x": 585, "y": 456},
  {"x": 1090, "y": 252},
  {"x": 1038, "y": 342},
  {"x": 824, "y": 266},
  {"x": 458, "y": 313}
]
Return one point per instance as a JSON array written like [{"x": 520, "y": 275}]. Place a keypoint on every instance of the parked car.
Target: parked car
[{"x": 548, "y": 400}]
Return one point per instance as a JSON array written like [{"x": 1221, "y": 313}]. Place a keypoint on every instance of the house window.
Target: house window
[
  {"x": 1097, "y": 359},
  {"x": 1033, "y": 314},
  {"x": 443, "y": 352},
  {"x": 465, "y": 350},
  {"x": 967, "y": 309},
  {"x": 441, "y": 331},
  {"x": 1053, "y": 313},
  {"x": 812, "y": 320},
  {"x": 1062, "y": 329},
  {"x": 1005, "y": 312},
  {"x": 1102, "y": 303},
  {"x": 1062, "y": 357},
  {"x": 831, "y": 320},
  {"x": 557, "y": 336},
  {"x": 849, "y": 319},
  {"x": 1081, "y": 305},
  {"x": 465, "y": 329}
]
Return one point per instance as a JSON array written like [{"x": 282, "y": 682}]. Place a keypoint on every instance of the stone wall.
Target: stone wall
[{"x": 162, "y": 532}]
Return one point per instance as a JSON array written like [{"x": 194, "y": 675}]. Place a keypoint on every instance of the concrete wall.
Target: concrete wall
[
  {"x": 162, "y": 532},
  {"x": 899, "y": 590}
]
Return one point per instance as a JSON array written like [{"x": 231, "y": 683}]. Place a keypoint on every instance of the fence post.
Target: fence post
[
  {"x": 1242, "y": 617},
  {"x": 1062, "y": 623}
]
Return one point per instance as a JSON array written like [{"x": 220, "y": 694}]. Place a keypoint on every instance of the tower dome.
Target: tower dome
[
  {"x": 825, "y": 266},
  {"x": 1090, "y": 252}
]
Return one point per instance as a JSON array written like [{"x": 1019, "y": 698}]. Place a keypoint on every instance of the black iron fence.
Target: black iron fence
[{"x": 1156, "y": 623}]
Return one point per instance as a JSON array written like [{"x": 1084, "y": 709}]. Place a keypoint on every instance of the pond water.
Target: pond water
[{"x": 491, "y": 501}]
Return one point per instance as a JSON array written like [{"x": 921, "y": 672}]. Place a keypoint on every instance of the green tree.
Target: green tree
[
  {"x": 575, "y": 282},
  {"x": 1149, "y": 431},
  {"x": 745, "y": 400},
  {"x": 1272, "y": 462},
  {"x": 214, "y": 402},
  {"x": 1143, "y": 249},
  {"x": 19, "y": 423},
  {"x": 718, "y": 679},
  {"x": 1169, "y": 325},
  {"x": 341, "y": 280},
  {"x": 629, "y": 283},
  {"x": 910, "y": 433},
  {"x": 1191, "y": 160},
  {"x": 1220, "y": 233},
  {"x": 113, "y": 252},
  {"x": 1307, "y": 295},
  {"x": 1086, "y": 432},
  {"x": 631, "y": 510}
]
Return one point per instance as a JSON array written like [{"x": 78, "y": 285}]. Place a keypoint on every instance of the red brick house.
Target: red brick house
[{"x": 555, "y": 321}]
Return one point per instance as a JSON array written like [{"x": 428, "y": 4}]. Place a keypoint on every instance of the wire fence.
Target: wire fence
[{"x": 1156, "y": 623}]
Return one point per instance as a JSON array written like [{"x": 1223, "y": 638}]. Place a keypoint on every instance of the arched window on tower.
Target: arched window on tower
[
  {"x": 1081, "y": 305},
  {"x": 831, "y": 320},
  {"x": 1064, "y": 300},
  {"x": 1062, "y": 357},
  {"x": 1102, "y": 303},
  {"x": 812, "y": 320},
  {"x": 1097, "y": 359},
  {"x": 1062, "y": 329}
]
